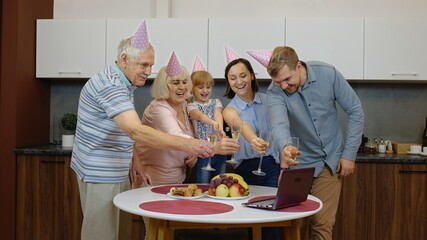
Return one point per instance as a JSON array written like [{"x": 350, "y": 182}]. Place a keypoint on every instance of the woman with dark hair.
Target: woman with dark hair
[{"x": 250, "y": 106}]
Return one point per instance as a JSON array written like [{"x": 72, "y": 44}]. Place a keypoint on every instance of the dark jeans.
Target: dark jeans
[
  {"x": 269, "y": 166},
  {"x": 217, "y": 161},
  {"x": 272, "y": 171}
]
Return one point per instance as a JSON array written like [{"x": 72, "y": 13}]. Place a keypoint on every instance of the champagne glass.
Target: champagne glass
[
  {"x": 212, "y": 139},
  {"x": 265, "y": 136},
  {"x": 294, "y": 149},
  {"x": 236, "y": 130}
]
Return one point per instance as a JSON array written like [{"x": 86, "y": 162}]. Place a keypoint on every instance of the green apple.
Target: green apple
[{"x": 222, "y": 191}]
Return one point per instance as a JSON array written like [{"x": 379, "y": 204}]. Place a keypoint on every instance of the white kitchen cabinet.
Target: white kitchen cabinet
[
  {"x": 334, "y": 40},
  {"x": 243, "y": 35},
  {"x": 187, "y": 37},
  {"x": 70, "y": 48},
  {"x": 395, "y": 48}
]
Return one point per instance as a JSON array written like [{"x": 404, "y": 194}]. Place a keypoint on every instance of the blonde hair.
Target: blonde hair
[
  {"x": 202, "y": 77},
  {"x": 280, "y": 57},
  {"x": 160, "y": 88}
]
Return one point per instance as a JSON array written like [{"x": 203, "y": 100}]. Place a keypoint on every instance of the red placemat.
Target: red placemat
[
  {"x": 187, "y": 207},
  {"x": 165, "y": 189},
  {"x": 307, "y": 205}
]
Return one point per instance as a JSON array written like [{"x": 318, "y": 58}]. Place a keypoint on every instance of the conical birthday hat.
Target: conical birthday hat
[
  {"x": 174, "y": 67},
  {"x": 230, "y": 54},
  {"x": 262, "y": 57},
  {"x": 198, "y": 66},
  {"x": 140, "y": 39}
]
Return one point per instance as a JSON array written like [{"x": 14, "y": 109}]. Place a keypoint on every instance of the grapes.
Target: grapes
[{"x": 222, "y": 179}]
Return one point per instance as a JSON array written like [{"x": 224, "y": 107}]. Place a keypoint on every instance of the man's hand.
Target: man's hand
[
  {"x": 286, "y": 159},
  {"x": 200, "y": 148},
  {"x": 345, "y": 167},
  {"x": 227, "y": 146}
]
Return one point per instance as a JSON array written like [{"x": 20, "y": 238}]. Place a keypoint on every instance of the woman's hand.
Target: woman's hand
[
  {"x": 191, "y": 161},
  {"x": 137, "y": 174},
  {"x": 258, "y": 146}
]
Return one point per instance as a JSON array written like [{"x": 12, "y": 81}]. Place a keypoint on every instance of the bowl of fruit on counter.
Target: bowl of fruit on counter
[{"x": 228, "y": 186}]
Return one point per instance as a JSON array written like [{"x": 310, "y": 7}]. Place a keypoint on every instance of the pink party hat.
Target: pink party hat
[
  {"x": 230, "y": 54},
  {"x": 262, "y": 57},
  {"x": 198, "y": 66},
  {"x": 140, "y": 39},
  {"x": 174, "y": 67}
]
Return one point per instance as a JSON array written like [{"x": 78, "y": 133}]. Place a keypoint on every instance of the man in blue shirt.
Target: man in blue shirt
[{"x": 302, "y": 102}]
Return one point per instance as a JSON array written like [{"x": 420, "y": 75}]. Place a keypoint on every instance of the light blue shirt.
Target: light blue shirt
[
  {"x": 102, "y": 152},
  {"x": 256, "y": 116},
  {"x": 311, "y": 114}
]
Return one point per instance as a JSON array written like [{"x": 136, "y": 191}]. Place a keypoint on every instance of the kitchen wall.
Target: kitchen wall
[{"x": 395, "y": 111}]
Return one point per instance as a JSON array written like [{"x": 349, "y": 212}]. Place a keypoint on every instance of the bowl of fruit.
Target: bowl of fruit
[{"x": 229, "y": 186}]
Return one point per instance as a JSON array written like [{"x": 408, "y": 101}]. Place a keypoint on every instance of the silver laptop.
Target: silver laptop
[{"x": 294, "y": 187}]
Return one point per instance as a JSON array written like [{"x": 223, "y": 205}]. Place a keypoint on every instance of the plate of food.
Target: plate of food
[
  {"x": 191, "y": 191},
  {"x": 184, "y": 197},
  {"x": 228, "y": 198},
  {"x": 228, "y": 186}
]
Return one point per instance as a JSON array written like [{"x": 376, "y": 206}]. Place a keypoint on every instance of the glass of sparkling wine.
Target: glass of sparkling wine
[
  {"x": 212, "y": 139},
  {"x": 236, "y": 130},
  {"x": 265, "y": 136},
  {"x": 294, "y": 148}
]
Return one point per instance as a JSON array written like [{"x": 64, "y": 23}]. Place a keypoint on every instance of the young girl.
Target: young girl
[{"x": 205, "y": 111}]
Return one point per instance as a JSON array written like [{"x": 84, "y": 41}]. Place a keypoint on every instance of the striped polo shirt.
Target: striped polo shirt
[{"x": 102, "y": 152}]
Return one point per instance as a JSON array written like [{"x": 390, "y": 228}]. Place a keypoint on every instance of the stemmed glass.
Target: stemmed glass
[
  {"x": 265, "y": 136},
  {"x": 212, "y": 139},
  {"x": 294, "y": 149},
  {"x": 236, "y": 130}
]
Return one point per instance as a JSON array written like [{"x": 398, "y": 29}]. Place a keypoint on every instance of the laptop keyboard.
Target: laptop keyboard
[{"x": 267, "y": 202}]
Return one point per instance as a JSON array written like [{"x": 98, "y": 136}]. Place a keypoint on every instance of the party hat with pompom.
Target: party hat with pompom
[
  {"x": 198, "y": 66},
  {"x": 174, "y": 67},
  {"x": 262, "y": 57},
  {"x": 230, "y": 54},
  {"x": 140, "y": 39}
]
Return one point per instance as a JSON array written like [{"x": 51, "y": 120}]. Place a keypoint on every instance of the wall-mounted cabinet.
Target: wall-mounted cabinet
[
  {"x": 243, "y": 35},
  {"x": 70, "y": 48},
  {"x": 360, "y": 48},
  {"x": 395, "y": 48},
  {"x": 187, "y": 37},
  {"x": 337, "y": 41}
]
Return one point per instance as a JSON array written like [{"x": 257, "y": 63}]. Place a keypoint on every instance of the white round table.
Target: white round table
[{"x": 162, "y": 224}]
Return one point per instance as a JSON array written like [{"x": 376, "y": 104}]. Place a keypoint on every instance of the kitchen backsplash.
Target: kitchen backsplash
[{"x": 394, "y": 111}]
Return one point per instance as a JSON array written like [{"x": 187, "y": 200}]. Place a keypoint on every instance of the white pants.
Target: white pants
[{"x": 101, "y": 219}]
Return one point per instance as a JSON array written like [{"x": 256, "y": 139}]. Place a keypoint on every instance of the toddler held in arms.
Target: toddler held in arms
[{"x": 203, "y": 112}]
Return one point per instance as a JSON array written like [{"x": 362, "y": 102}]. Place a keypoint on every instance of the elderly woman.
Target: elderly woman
[{"x": 168, "y": 113}]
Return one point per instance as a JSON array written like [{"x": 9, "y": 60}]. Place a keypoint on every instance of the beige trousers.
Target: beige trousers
[
  {"x": 101, "y": 219},
  {"x": 326, "y": 187}
]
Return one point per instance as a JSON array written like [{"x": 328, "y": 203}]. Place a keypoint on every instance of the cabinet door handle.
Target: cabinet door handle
[
  {"x": 413, "y": 171},
  {"x": 404, "y": 74},
  {"x": 70, "y": 72},
  {"x": 53, "y": 161}
]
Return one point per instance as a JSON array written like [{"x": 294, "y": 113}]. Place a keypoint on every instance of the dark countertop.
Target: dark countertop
[
  {"x": 44, "y": 150},
  {"x": 361, "y": 157}
]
